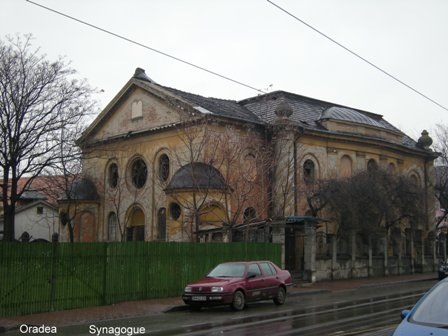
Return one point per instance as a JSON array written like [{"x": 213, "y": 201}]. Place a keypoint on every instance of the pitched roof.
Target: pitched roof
[
  {"x": 32, "y": 195},
  {"x": 309, "y": 112},
  {"x": 306, "y": 112},
  {"x": 45, "y": 187},
  {"x": 216, "y": 106},
  {"x": 219, "y": 107}
]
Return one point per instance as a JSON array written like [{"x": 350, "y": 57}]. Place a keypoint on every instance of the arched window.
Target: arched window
[
  {"x": 139, "y": 173},
  {"x": 250, "y": 167},
  {"x": 391, "y": 168},
  {"x": 164, "y": 167},
  {"x": 113, "y": 175},
  {"x": 414, "y": 180},
  {"x": 249, "y": 214},
  {"x": 136, "y": 229},
  {"x": 372, "y": 165},
  {"x": 308, "y": 172},
  {"x": 161, "y": 224},
  {"x": 112, "y": 223},
  {"x": 346, "y": 166}
]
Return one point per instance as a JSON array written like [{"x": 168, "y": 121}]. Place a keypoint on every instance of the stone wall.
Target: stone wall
[{"x": 346, "y": 268}]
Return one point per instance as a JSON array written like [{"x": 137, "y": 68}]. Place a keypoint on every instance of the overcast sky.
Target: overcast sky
[{"x": 253, "y": 42}]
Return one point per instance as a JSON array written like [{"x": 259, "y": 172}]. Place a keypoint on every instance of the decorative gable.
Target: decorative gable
[{"x": 139, "y": 107}]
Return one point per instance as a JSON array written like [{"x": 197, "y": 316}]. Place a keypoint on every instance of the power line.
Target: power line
[
  {"x": 146, "y": 46},
  {"x": 358, "y": 56}
]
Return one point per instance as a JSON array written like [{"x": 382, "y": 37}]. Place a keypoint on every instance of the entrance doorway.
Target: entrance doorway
[
  {"x": 294, "y": 249},
  {"x": 136, "y": 229}
]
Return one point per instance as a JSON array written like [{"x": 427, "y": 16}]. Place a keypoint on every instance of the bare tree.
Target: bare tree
[
  {"x": 368, "y": 201},
  {"x": 198, "y": 145},
  {"x": 114, "y": 195},
  {"x": 118, "y": 194},
  {"x": 62, "y": 174},
  {"x": 40, "y": 100},
  {"x": 242, "y": 160},
  {"x": 282, "y": 166},
  {"x": 222, "y": 166}
]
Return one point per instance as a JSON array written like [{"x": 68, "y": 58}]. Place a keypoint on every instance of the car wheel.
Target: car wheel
[
  {"x": 281, "y": 296},
  {"x": 239, "y": 301}
]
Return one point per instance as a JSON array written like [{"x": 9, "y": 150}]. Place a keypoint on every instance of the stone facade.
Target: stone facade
[{"x": 268, "y": 150}]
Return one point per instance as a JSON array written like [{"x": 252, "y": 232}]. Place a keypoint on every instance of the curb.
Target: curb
[
  {"x": 395, "y": 283},
  {"x": 178, "y": 308},
  {"x": 309, "y": 292}
]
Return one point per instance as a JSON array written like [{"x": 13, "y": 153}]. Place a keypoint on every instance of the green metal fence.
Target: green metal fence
[{"x": 46, "y": 277}]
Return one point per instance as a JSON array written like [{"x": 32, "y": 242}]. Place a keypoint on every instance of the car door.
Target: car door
[
  {"x": 255, "y": 282},
  {"x": 270, "y": 280}
]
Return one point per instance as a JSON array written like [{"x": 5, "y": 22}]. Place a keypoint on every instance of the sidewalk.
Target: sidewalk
[{"x": 157, "y": 306}]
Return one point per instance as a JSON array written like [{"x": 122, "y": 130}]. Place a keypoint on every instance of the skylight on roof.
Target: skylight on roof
[{"x": 202, "y": 110}]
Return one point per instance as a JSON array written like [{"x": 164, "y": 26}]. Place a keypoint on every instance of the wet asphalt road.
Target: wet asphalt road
[
  {"x": 373, "y": 311},
  {"x": 343, "y": 318}
]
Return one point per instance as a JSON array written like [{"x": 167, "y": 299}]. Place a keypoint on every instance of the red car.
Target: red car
[{"x": 235, "y": 283}]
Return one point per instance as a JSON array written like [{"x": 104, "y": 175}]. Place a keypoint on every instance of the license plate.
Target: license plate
[{"x": 199, "y": 298}]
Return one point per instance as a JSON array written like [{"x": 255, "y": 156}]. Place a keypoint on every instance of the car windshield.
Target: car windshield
[
  {"x": 433, "y": 309},
  {"x": 227, "y": 271}
]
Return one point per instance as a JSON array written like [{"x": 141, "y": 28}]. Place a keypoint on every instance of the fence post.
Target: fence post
[
  {"x": 54, "y": 264},
  {"x": 105, "y": 260}
]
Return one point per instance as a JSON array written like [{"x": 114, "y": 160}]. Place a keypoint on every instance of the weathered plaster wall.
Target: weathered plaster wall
[
  {"x": 121, "y": 120},
  {"x": 152, "y": 197}
]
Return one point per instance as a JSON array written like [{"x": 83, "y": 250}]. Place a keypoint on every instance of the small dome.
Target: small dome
[
  {"x": 198, "y": 176},
  {"x": 347, "y": 114}
]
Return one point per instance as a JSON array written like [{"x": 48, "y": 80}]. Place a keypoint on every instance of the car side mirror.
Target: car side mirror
[{"x": 404, "y": 314}]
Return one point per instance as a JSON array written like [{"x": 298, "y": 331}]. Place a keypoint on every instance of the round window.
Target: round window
[{"x": 175, "y": 211}]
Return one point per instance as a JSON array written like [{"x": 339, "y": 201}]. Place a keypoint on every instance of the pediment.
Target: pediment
[{"x": 137, "y": 108}]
